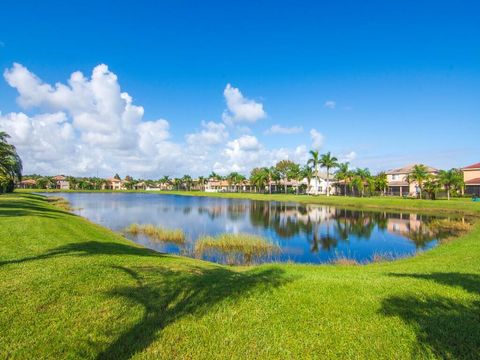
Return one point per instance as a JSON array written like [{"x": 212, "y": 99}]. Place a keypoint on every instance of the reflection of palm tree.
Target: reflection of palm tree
[{"x": 420, "y": 236}]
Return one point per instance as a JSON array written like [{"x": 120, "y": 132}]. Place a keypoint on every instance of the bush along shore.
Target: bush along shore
[{"x": 73, "y": 289}]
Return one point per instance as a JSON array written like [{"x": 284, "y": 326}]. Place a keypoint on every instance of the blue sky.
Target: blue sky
[{"x": 404, "y": 79}]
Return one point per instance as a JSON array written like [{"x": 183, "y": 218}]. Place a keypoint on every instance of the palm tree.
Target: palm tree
[
  {"x": 10, "y": 164},
  {"x": 307, "y": 173},
  {"x": 343, "y": 174},
  {"x": 431, "y": 185},
  {"x": 418, "y": 174},
  {"x": 234, "y": 179},
  {"x": 202, "y": 181},
  {"x": 165, "y": 180},
  {"x": 364, "y": 175},
  {"x": 314, "y": 162},
  {"x": 259, "y": 177},
  {"x": 273, "y": 175},
  {"x": 187, "y": 181},
  {"x": 381, "y": 182},
  {"x": 450, "y": 179},
  {"x": 328, "y": 162}
]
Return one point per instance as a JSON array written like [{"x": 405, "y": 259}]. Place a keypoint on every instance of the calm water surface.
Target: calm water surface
[{"x": 305, "y": 233}]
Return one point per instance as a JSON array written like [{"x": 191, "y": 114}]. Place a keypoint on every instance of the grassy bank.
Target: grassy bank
[{"x": 73, "y": 289}]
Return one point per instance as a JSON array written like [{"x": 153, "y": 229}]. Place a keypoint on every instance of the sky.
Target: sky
[{"x": 154, "y": 88}]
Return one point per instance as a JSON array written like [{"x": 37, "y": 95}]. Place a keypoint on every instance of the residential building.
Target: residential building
[
  {"x": 61, "y": 182},
  {"x": 318, "y": 186},
  {"x": 398, "y": 180},
  {"x": 471, "y": 177},
  {"x": 112, "y": 184},
  {"x": 27, "y": 184}
]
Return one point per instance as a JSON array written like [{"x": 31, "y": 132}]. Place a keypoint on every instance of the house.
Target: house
[
  {"x": 398, "y": 180},
  {"x": 112, "y": 184},
  {"x": 61, "y": 182},
  {"x": 214, "y": 185},
  {"x": 318, "y": 185},
  {"x": 471, "y": 177},
  {"x": 27, "y": 184},
  {"x": 140, "y": 186}
]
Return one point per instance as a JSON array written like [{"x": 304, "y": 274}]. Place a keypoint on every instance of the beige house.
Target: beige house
[
  {"x": 471, "y": 177},
  {"x": 112, "y": 184},
  {"x": 61, "y": 182},
  {"x": 398, "y": 180},
  {"x": 27, "y": 184}
]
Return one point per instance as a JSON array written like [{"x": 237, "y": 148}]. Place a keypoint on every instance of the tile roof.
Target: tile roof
[
  {"x": 475, "y": 181},
  {"x": 473, "y": 166},
  {"x": 408, "y": 169}
]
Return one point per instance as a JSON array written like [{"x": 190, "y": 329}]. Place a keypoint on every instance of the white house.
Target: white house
[{"x": 318, "y": 186}]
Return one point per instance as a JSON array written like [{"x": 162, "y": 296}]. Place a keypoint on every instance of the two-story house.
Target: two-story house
[
  {"x": 398, "y": 180},
  {"x": 471, "y": 177}
]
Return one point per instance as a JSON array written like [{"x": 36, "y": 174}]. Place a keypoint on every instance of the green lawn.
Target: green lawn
[{"x": 72, "y": 289}]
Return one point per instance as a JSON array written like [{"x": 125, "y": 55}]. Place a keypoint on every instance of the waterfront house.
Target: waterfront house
[
  {"x": 398, "y": 180},
  {"x": 27, "y": 184},
  {"x": 471, "y": 177},
  {"x": 61, "y": 182},
  {"x": 318, "y": 186},
  {"x": 112, "y": 184}
]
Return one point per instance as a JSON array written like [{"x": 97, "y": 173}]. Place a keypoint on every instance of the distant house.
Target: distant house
[
  {"x": 61, "y": 182},
  {"x": 318, "y": 186},
  {"x": 140, "y": 186},
  {"x": 398, "y": 183},
  {"x": 27, "y": 184},
  {"x": 471, "y": 177},
  {"x": 112, "y": 184}
]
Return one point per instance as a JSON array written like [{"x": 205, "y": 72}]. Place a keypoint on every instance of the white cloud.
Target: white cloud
[
  {"x": 330, "y": 104},
  {"x": 88, "y": 125},
  {"x": 241, "y": 109},
  {"x": 278, "y": 129},
  {"x": 317, "y": 139},
  {"x": 212, "y": 133},
  {"x": 352, "y": 155}
]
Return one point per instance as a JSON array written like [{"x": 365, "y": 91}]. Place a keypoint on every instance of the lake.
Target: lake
[{"x": 304, "y": 233}]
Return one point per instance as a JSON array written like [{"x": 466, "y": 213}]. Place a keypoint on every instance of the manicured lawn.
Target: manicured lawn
[{"x": 72, "y": 289}]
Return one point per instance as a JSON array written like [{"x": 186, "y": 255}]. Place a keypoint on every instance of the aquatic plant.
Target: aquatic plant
[
  {"x": 59, "y": 202},
  {"x": 247, "y": 246},
  {"x": 157, "y": 233}
]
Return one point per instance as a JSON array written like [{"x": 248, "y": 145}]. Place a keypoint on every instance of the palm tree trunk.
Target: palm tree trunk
[{"x": 328, "y": 182}]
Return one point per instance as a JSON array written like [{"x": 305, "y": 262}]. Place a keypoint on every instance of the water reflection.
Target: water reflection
[{"x": 305, "y": 233}]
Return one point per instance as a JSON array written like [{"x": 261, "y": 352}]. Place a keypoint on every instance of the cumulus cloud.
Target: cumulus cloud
[
  {"x": 330, "y": 104},
  {"x": 88, "y": 125},
  {"x": 239, "y": 108},
  {"x": 317, "y": 139},
  {"x": 278, "y": 129}
]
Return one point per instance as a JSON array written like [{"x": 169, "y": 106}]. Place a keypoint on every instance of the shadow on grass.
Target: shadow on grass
[
  {"x": 19, "y": 206},
  {"x": 88, "y": 248},
  {"x": 167, "y": 295},
  {"x": 448, "y": 328}
]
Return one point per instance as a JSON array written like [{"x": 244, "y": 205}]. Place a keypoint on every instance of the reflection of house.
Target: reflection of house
[
  {"x": 61, "y": 182},
  {"x": 398, "y": 180},
  {"x": 112, "y": 184},
  {"x": 404, "y": 223},
  {"x": 471, "y": 177},
  {"x": 27, "y": 184}
]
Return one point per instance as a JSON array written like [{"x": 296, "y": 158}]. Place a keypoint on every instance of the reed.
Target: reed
[
  {"x": 246, "y": 245},
  {"x": 59, "y": 202},
  {"x": 157, "y": 233}
]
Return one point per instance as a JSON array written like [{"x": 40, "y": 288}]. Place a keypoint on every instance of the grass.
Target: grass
[
  {"x": 72, "y": 289},
  {"x": 157, "y": 233},
  {"x": 246, "y": 246}
]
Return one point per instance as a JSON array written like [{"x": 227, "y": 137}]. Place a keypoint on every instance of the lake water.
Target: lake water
[{"x": 305, "y": 233}]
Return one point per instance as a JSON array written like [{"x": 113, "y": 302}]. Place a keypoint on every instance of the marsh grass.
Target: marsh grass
[
  {"x": 345, "y": 261},
  {"x": 450, "y": 227},
  {"x": 157, "y": 233},
  {"x": 60, "y": 202},
  {"x": 247, "y": 247}
]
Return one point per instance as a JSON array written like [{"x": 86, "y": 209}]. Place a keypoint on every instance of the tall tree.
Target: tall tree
[
  {"x": 328, "y": 162},
  {"x": 418, "y": 174},
  {"x": 284, "y": 168},
  {"x": 343, "y": 174},
  {"x": 10, "y": 164},
  {"x": 381, "y": 182},
  {"x": 234, "y": 178},
  {"x": 450, "y": 179},
  {"x": 364, "y": 175},
  {"x": 314, "y": 163}
]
